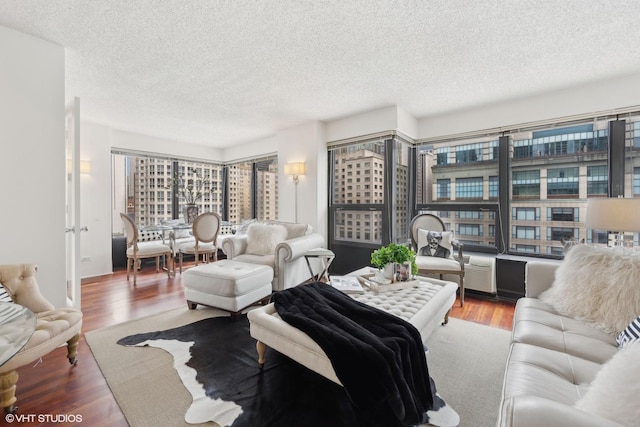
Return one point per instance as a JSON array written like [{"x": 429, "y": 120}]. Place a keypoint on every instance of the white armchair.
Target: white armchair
[{"x": 283, "y": 251}]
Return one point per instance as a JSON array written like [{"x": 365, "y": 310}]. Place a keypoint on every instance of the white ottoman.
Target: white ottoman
[
  {"x": 425, "y": 307},
  {"x": 227, "y": 284}
]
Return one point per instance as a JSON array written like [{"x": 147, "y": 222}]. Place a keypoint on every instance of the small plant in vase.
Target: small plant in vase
[
  {"x": 397, "y": 262},
  {"x": 191, "y": 190}
]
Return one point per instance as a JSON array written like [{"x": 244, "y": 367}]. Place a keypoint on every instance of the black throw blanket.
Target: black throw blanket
[{"x": 378, "y": 357}]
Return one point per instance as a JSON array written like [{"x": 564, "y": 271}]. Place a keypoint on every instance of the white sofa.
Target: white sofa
[
  {"x": 287, "y": 260},
  {"x": 555, "y": 367}
]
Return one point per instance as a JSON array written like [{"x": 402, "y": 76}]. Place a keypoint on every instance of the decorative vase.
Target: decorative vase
[
  {"x": 397, "y": 272},
  {"x": 190, "y": 213}
]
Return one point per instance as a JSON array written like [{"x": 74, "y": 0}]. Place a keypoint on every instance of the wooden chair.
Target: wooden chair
[
  {"x": 451, "y": 264},
  {"x": 206, "y": 227},
  {"x": 137, "y": 251}
]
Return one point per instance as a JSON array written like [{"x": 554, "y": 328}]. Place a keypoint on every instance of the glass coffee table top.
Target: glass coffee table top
[{"x": 17, "y": 324}]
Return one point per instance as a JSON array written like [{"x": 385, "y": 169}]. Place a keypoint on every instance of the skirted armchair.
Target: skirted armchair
[
  {"x": 280, "y": 245},
  {"x": 54, "y": 327}
]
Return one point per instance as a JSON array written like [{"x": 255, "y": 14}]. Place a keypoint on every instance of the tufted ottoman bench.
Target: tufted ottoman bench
[
  {"x": 227, "y": 284},
  {"x": 424, "y": 306}
]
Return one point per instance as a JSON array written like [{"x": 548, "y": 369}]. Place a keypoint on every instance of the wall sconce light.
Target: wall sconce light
[
  {"x": 85, "y": 167},
  {"x": 295, "y": 170},
  {"x": 616, "y": 215}
]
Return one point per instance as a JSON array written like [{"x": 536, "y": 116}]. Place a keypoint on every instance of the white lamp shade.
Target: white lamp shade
[
  {"x": 294, "y": 169},
  {"x": 614, "y": 214}
]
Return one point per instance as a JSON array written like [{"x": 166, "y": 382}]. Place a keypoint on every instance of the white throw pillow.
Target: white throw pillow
[
  {"x": 614, "y": 392},
  {"x": 597, "y": 285},
  {"x": 435, "y": 243},
  {"x": 262, "y": 239}
]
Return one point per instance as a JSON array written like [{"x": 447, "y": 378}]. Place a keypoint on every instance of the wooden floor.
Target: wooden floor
[{"x": 54, "y": 390}]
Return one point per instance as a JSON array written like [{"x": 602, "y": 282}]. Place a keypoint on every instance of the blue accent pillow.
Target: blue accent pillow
[{"x": 630, "y": 334}]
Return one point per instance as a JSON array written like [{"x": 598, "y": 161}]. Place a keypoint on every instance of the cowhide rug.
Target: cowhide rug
[{"x": 217, "y": 362}]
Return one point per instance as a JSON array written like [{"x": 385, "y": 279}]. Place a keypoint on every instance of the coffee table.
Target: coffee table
[{"x": 425, "y": 306}]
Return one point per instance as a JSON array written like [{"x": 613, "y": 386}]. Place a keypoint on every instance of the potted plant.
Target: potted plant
[{"x": 395, "y": 260}]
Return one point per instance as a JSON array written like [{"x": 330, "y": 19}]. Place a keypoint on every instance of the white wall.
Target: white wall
[
  {"x": 32, "y": 159},
  {"x": 261, "y": 147},
  {"x": 304, "y": 143},
  {"x": 599, "y": 96}
]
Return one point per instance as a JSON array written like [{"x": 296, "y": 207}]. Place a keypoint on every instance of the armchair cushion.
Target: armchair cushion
[
  {"x": 435, "y": 243},
  {"x": 436, "y": 263},
  {"x": 263, "y": 238}
]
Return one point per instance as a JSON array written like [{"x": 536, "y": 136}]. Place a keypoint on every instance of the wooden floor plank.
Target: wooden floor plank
[{"x": 55, "y": 388}]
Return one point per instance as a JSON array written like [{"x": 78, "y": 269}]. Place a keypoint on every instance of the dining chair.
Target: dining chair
[
  {"x": 137, "y": 251},
  {"x": 205, "y": 229},
  {"x": 435, "y": 247}
]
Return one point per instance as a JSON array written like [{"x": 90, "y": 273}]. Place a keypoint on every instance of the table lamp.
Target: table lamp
[{"x": 616, "y": 215}]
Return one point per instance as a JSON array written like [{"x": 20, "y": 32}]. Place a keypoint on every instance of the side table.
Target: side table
[
  {"x": 326, "y": 258},
  {"x": 17, "y": 324}
]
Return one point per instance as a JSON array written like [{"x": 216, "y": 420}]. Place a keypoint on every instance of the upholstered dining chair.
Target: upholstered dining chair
[
  {"x": 205, "y": 229},
  {"x": 437, "y": 250},
  {"x": 137, "y": 251},
  {"x": 54, "y": 328}
]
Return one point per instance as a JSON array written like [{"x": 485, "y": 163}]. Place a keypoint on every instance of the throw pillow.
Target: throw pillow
[
  {"x": 613, "y": 393},
  {"x": 630, "y": 334},
  {"x": 262, "y": 239},
  {"x": 4, "y": 295},
  {"x": 244, "y": 226},
  {"x": 147, "y": 236},
  {"x": 435, "y": 243},
  {"x": 597, "y": 285}
]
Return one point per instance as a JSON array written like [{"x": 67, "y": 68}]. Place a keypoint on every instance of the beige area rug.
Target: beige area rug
[{"x": 466, "y": 360}]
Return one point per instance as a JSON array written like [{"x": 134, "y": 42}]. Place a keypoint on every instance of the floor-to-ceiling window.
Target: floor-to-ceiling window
[
  {"x": 551, "y": 173},
  {"x": 154, "y": 188},
  {"x": 253, "y": 189},
  {"x": 370, "y": 203},
  {"x": 457, "y": 180},
  {"x": 143, "y": 187}
]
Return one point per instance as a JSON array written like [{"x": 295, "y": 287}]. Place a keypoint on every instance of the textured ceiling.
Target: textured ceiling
[{"x": 222, "y": 72}]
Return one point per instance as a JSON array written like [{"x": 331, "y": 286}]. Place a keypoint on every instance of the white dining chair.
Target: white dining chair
[
  {"x": 206, "y": 227},
  {"x": 137, "y": 251}
]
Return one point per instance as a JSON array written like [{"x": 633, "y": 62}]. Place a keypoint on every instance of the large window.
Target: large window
[
  {"x": 549, "y": 176},
  {"x": 562, "y": 182},
  {"x": 151, "y": 188},
  {"x": 458, "y": 181},
  {"x": 359, "y": 174},
  {"x": 142, "y": 187},
  {"x": 253, "y": 189},
  {"x": 526, "y": 184}
]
